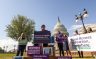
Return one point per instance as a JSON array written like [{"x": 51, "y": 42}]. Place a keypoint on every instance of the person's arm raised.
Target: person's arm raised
[{"x": 19, "y": 38}]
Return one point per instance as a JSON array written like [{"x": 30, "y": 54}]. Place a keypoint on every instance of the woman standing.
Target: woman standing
[
  {"x": 60, "y": 40},
  {"x": 22, "y": 42},
  {"x": 67, "y": 45}
]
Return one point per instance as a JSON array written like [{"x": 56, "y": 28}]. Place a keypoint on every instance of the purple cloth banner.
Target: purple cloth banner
[
  {"x": 40, "y": 57},
  {"x": 64, "y": 57},
  {"x": 32, "y": 50}
]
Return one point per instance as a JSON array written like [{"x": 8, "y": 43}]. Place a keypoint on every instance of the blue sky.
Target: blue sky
[{"x": 46, "y": 12}]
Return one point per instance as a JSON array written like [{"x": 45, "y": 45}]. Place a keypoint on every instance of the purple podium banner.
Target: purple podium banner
[
  {"x": 40, "y": 57},
  {"x": 64, "y": 57},
  {"x": 33, "y": 50}
]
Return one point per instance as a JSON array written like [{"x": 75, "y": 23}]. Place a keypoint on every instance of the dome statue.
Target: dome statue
[{"x": 59, "y": 27}]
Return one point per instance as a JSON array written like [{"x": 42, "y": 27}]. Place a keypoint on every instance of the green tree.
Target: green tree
[
  {"x": 20, "y": 24},
  {"x": 1, "y": 49}
]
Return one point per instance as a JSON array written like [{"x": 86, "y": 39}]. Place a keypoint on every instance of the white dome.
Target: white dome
[{"x": 59, "y": 27}]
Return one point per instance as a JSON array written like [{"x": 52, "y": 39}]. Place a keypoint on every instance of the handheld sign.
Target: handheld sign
[{"x": 42, "y": 36}]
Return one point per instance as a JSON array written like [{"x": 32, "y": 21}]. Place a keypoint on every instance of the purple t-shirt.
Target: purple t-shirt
[{"x": 60, "y": 38}]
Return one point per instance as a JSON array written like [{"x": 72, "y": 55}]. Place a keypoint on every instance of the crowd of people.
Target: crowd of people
[{"x": 61, "y": 40}]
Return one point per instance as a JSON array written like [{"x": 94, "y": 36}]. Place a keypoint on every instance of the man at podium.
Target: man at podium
[{"x": 42, "y": 37}]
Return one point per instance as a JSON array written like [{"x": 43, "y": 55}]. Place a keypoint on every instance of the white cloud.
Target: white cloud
[
  {"x": 8, "y": 42},
  {"x": 74, "y": 27}
]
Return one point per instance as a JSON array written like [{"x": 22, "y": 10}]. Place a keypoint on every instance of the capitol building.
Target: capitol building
[
  {"x": 88, "y": 26},
  {"x": 59, "y": 27}
]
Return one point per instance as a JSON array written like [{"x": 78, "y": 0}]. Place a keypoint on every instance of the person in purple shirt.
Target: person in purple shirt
[{"x": 60, "y": 40}]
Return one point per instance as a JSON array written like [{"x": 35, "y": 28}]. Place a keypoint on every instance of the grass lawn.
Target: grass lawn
[
  {"x": 9, "y": 56},
  {"x": 6, "y": 56}
]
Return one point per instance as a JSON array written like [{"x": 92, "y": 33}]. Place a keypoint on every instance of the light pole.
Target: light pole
[
  {"x": 81, "y": 17},
  {"x": 4, "y": 48},
  {"x": 14, "y": 47}
]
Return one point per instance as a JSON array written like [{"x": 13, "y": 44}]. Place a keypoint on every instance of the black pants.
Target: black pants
[
  {"x": 60, "y": 45},
  {"x": 80, "y": 54},
  {"x": 45, "y": 44},
  {"x": 36, "y": 44},
  {"x": 20, "y": 50},
  {"x": 67, "y": 46}
]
